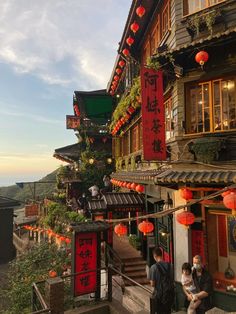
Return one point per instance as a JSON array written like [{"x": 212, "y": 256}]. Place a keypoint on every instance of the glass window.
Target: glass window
[
  {"x": 170, "y": 118},
  {"x": 192, "y": 6},
  {"x": 211, "y": 106}
]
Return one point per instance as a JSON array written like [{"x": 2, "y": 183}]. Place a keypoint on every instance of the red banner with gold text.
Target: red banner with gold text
[{"x": 153, "y": 115}]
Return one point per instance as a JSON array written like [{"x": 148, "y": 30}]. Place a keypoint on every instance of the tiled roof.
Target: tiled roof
[
  {"x": 6, "y": 202},
  {"x": 96, "y": 204},
  {"x": 68, "y": 153},
  {"x": 196, "y": 177},
  {"x": 146, "y": 176},
  {"x": 123, "y": 199}
]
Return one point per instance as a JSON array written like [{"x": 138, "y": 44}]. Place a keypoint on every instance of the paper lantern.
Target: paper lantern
[
  {"x": 185, "y": 218},
  {"x": 201, "y": 57},
  {"x": 128, "y": 186},
  {"x": 120, "y": 229},
  {"x": 121, "y": 63},
  {"x": 131, "y": 110},
  {"x": 130, "y": 41},
  {"x": 186, "y": 194},
  {"x": 125, "y": 52},
  {"x": 230, "y": 202},
  {"x": 118, "y": 70},
  {"x": 139, "y": 188},
  {"x": 134, "y": 27},
  {"x": 140, "y": 11},
  {"x": 67, "y": 240},
  {"x": 52, "y": 274},
  {"x": 146, "y": 227},
  {"x": 133, "y": 186},
  {"x": 116, "y": 78}
]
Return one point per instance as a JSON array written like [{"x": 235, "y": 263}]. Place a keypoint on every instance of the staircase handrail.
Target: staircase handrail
[{"x": 116, "y": 255}]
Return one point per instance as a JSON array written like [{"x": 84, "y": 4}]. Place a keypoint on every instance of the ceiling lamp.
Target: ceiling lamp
[
  {"x": 120, "y": 229},
  {"x": 230, "y": 202},
  {"x": 201, "y": 57},
  {"x": 185, "y": 218},
  {"x": 121, "y": 63},
  {"x": 139, "y": 188},
  {"x": 140, "y": 11},
  {"x": 146, "y": 227},
  {"x": 125, "y": 52},
  {"x": 186, "y": 194},
  {"x": 130, "y": 41},
  {"x": 134, "y": 27}
]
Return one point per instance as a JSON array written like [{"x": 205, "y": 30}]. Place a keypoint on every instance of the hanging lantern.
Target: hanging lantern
[
  {"x": 139, "y": 188},
  {"x": 116, "y": 78},
  {"x": 133, "y": 186},
  {"x": 131, "y": 109},
  {"x": 146, "y": 227},
  {"x": 121, "y": 63},
  {"x": 120, "y": 229},
  {"x": 128, "y": 185},
  {"x": 227, "y": 192},
  {"x": 134, "y": 27},
  {"x": 130, "y": 41},
  {"x": 186, "y": 194},
  {"x": 185, "y": 218},
  {"x": 52, "y": 274},
  {"x": 125, "y": 52},
  {"x": 230, "y": 202},
  {"x": 67, "y": 240},
  {"x": 140, "y": 11},
  {"x": 118, "y": 71},
  {"x": 201, "y": 57}
]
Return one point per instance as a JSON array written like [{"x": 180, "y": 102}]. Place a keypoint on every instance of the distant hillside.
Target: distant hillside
[{"x": 22, "y": 194}]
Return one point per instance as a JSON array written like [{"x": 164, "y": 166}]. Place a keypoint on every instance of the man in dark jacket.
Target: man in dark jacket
[
  {"x": 203, "y": 282},
  {"x": 159, "y": 272}
]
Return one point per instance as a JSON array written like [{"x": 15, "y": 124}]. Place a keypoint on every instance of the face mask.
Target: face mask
[{"x": 197, "y": 266}]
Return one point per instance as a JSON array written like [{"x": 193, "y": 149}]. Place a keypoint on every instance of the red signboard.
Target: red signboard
[
  {"x": 222, "y": 235},
  {"x": 198, "y": 244},
  {"x": 85, "y": 260},
  {"x": 72, "y": 122},
  {"x": 153, "y": 115}
]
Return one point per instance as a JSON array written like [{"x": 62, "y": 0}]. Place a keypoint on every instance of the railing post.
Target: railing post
[
  {"x": 32, "y": 299},
  {"x": 109, "y": 284},
  {"x": 54, "y": 293}
]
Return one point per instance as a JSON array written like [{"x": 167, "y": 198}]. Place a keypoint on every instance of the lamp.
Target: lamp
[
  {"x": 109, "y": 160},
  {"x": 163, "y": 232},
  {"x": 91, "y": 161}
]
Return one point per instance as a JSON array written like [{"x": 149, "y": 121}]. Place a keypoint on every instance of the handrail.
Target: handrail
[
  {"x": 130, "y": 279},
  {"x": 110, "y": 249},
  {"x": 45, "y": 308}
]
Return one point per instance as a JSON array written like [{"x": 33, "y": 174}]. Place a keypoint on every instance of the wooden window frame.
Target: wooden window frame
[
  {"x": 207, "y": 5},
  {"x": 165, "y": 18}
]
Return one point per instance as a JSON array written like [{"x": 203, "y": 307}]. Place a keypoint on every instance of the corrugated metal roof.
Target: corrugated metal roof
[
  {"x": 97, "y": 204},
  {"x": 123, "y": 199},
  {"x": 203, "y": 177}
]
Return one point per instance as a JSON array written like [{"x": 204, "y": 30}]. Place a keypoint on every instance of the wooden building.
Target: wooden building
[{"x": 199, "y": 105}]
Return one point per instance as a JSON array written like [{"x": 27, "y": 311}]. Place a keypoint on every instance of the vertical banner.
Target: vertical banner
[
  {"x": 222, "y": 236},
  {"x": 85, "y": 260},
  {"x": 198, "y": 244},
  {"x": 153, "y": 115}
]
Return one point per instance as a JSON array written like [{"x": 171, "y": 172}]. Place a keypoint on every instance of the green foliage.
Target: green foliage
[
  {"x": 31, "y": 267},
  {"x": 134, "y": 241},
  {"x": 133, "y": 98}
]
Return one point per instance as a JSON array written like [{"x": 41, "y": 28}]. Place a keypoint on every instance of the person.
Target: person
[
  {"x": 204, "y": 284},
  {"x": 107, "y": 184},
  {"x": 189, "y": 288},
  {"x": 94, "y": 190},
  {"x": 161, "y": 278}
]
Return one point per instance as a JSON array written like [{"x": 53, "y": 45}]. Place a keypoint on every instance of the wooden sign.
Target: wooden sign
[{"x": 153, "y": 115}]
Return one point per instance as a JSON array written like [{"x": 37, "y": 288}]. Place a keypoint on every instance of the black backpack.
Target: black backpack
[{"x": 165, "y": 290}]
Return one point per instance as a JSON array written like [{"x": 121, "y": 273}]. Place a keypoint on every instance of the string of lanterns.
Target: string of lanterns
[
  {"x": 128, "y": 185},
  {"x": 123, "y": 120}
]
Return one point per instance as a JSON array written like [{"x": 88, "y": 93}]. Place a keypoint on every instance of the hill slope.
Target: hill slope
[{"x": 41, "y": 189}]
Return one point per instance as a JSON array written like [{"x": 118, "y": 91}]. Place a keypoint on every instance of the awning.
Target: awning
[
  {"x": 120, "y": 199},
  {"x": 196, "y": 177},
  {"x": 145, "y": 177},
  {"x": 68, "y": 153},
  {"x": 6, "y": 202},
  {"x": 97, "y": 205}
]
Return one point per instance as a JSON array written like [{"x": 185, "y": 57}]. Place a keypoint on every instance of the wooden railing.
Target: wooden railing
[{"x": 20, "y": 244}]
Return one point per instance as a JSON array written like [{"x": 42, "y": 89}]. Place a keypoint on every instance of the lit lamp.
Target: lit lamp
[
  {"x": 109, "y": 160},
  {"x": 91, "y": 161},
  {"x": 163, "y": 232}
]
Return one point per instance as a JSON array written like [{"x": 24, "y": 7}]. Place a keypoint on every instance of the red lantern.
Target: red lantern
[
  {"x": 120, "y": 229},
  {"x": 134, "y": 27},
  {"x": 139, "y": 188},
  {"x": 67, "y": 240},
  {"x": 230, "y": 202},
  {"x": 140, "y": 11},
  {"x": 201, "y": 57},
  {"x": 131, "y": 110},
  {"x": 186, "y": 194},
  {"x": 128, "y": 185},
  {"x": 52, "y": 273},
  {"x": 116, "y": 78},
  {"x": 185, "y": 218},
  {"x": 121, "y": 63},
  {"x": 118, "y": 71},
  {"x": 133, "y": 186},
  {"x": 146, "y": 227},
  {"x": 227, "y": 192},
  {"x": 125, "y": 52},
  {"x": 130, "y": 41}
]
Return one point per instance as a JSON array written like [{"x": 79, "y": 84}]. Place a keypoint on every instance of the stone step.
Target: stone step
[
  {"x": 140, "y": 280},
  {"x": 135, "y": 267},
  {"x": 130, "y": 262},
  {"x": 135, "y": 273}
]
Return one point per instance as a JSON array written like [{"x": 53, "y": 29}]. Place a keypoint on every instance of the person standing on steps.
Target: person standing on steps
[{"x": 161, "y": 278}]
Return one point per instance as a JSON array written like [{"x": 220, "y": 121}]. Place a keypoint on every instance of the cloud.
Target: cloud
[{"x": 43, "y": 34}]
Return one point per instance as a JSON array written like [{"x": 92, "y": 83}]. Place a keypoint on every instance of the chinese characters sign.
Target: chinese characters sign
[
  {"x": 85, "y": 260},
  {"x": 153, "y": 115},
  {"x": 72, "y": 122},
  {"x": 198, "y": 244}
]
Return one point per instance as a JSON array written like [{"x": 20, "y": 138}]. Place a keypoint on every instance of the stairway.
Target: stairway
[{"x": 134, "y": 264}]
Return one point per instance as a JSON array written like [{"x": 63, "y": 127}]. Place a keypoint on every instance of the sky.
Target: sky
[{"x": 49, "y": 49}]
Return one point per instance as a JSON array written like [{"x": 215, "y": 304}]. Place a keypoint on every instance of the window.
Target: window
[
  {"x": 165, "y": 18},
  {"x": 211, "y": 106},
  {"x": 168, "y": 118},
  {"x": 192, "y": 6},
  {"x": 155, "y": 36}
]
